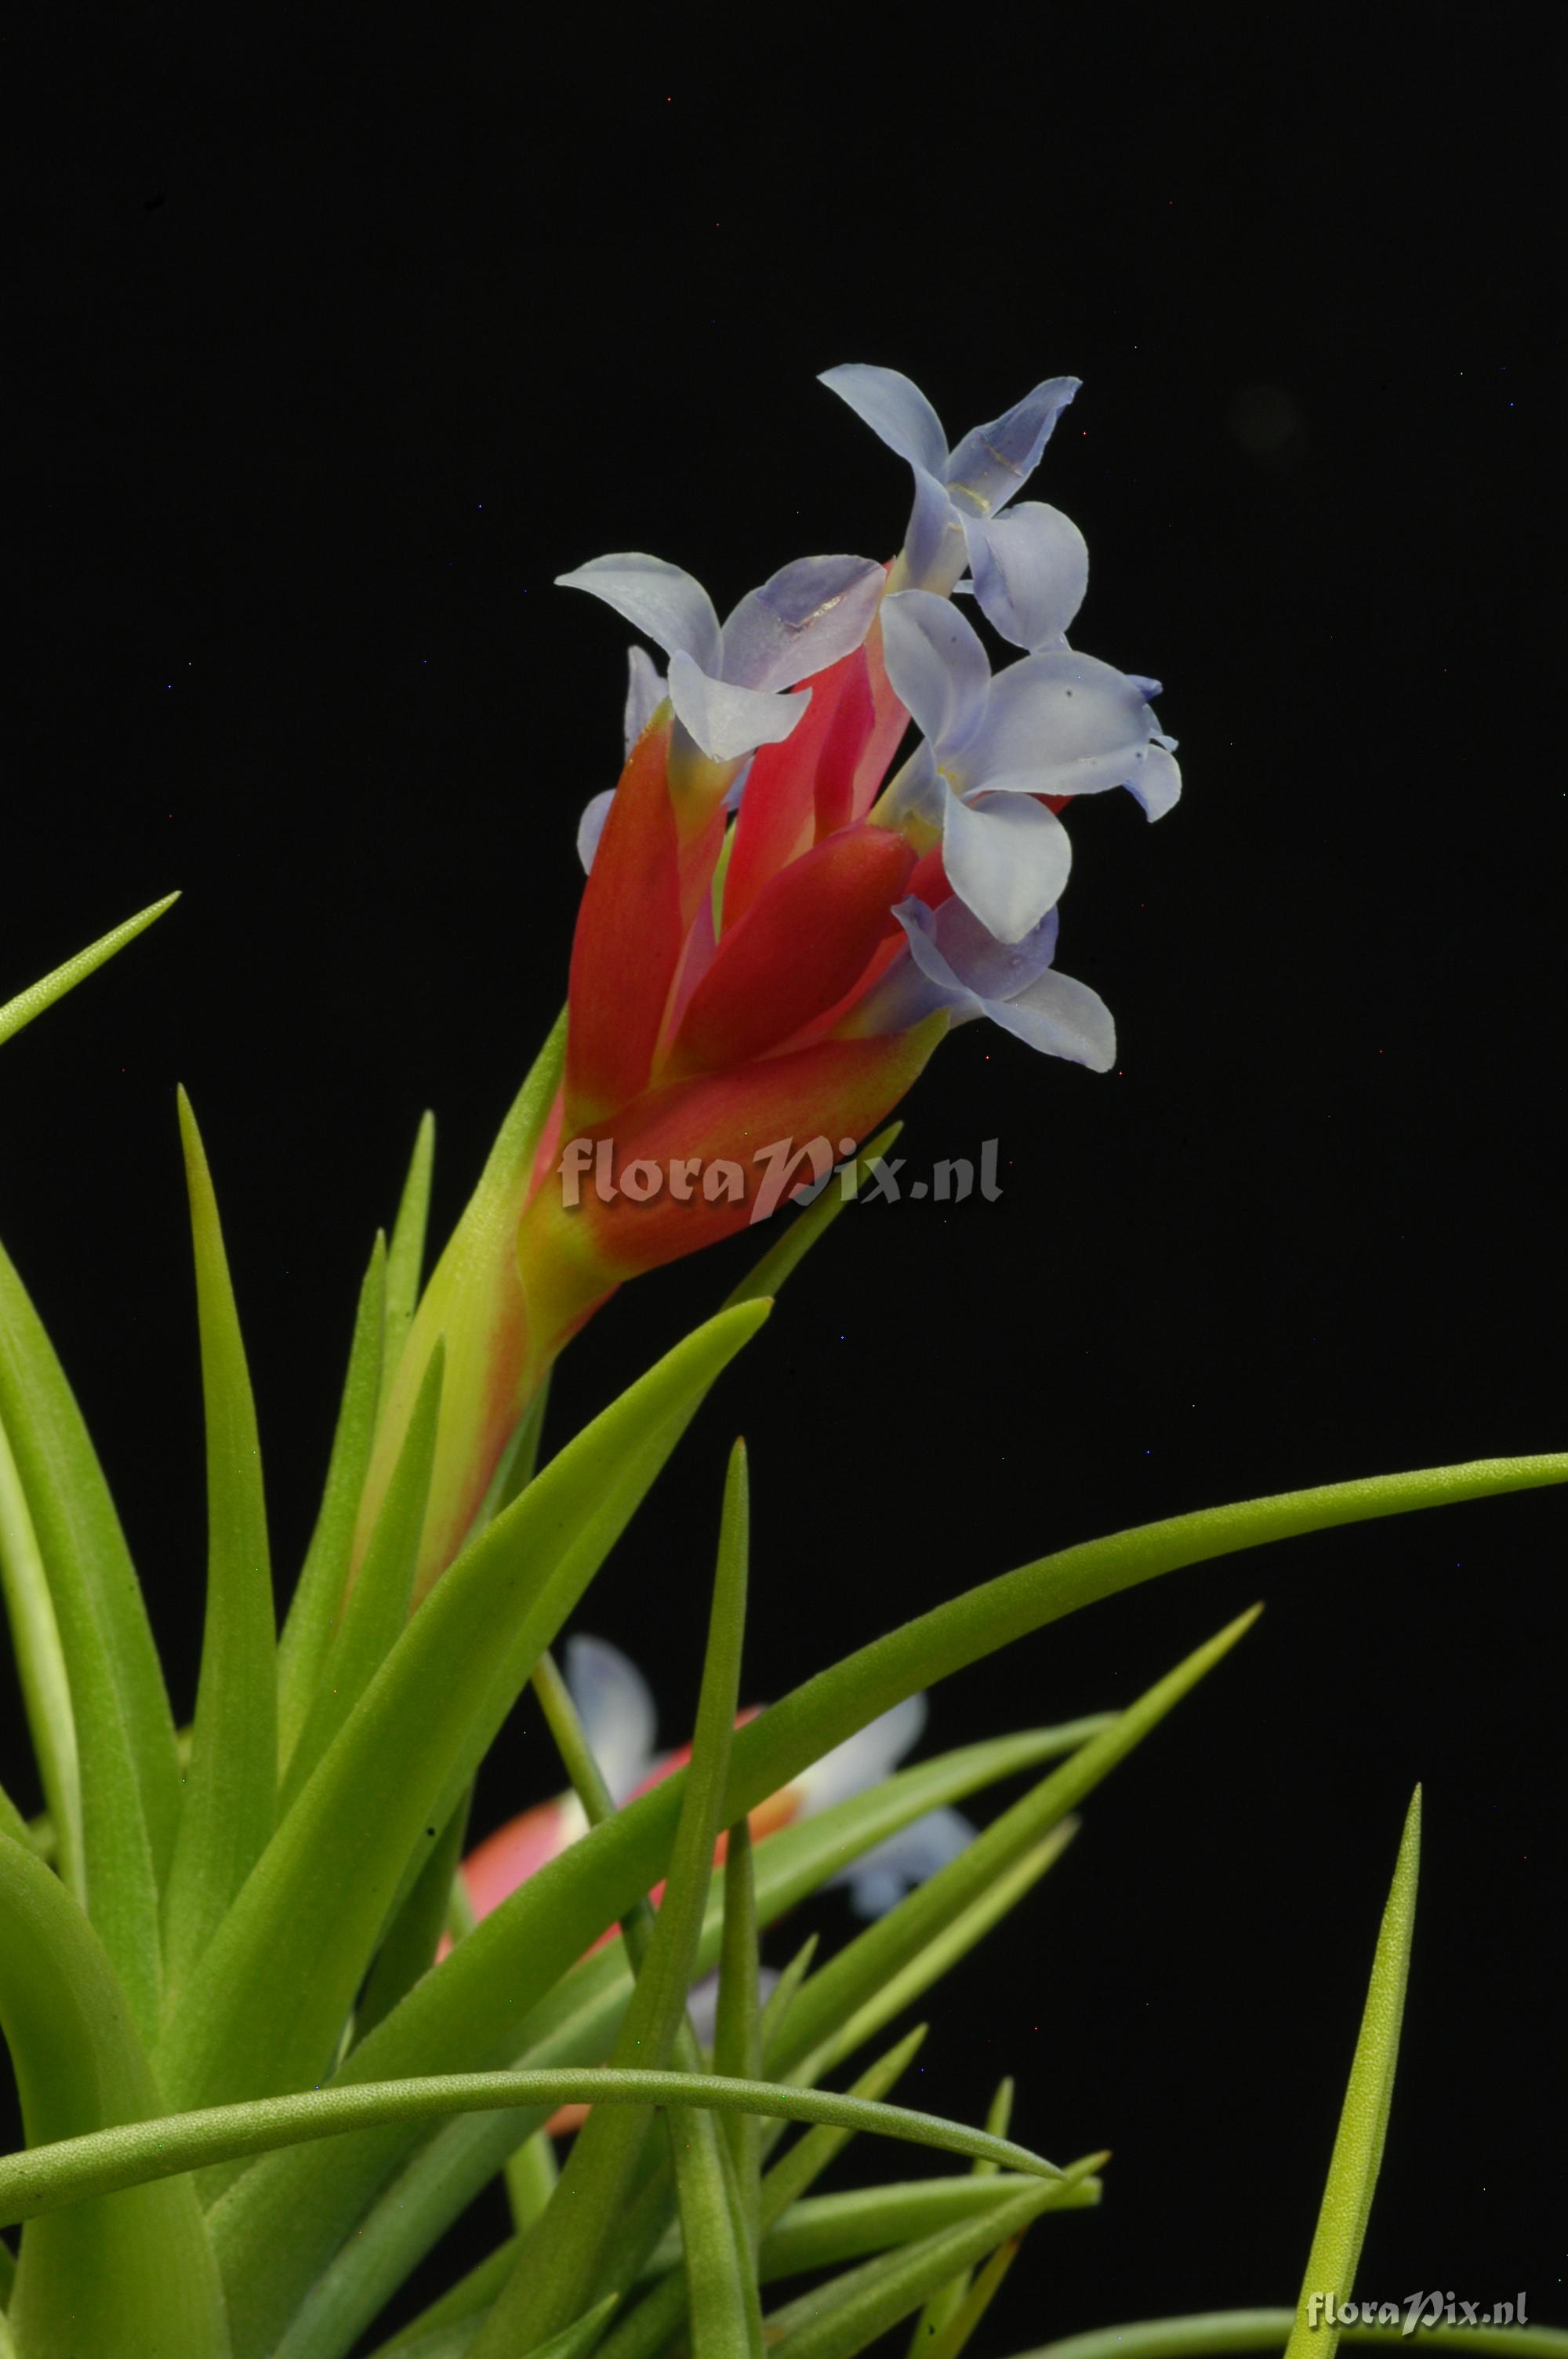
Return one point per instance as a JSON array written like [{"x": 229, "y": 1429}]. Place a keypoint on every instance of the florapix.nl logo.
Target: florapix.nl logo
[{"x": 784, "y": 1172}]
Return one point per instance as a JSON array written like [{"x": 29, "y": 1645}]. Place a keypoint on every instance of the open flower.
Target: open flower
[
  {"x": 1057, "y": 724},
  {"x": 957, "y": 965},
  {"x": 955, "y": 489}
]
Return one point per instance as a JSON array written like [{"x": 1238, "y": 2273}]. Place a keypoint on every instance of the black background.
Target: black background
[{"x": 333, "y": 350}]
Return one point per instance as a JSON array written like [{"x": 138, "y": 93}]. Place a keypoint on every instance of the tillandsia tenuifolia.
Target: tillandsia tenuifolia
[{"x": 275, "y": 2025}]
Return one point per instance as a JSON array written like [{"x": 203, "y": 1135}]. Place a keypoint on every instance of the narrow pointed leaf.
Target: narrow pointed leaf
[
  {"x": 560, "y": 2263},
  {"x": 130, "y": 2272},
  {"x": 451, "y": 2340},
  {"x": 129, "y": 1768},
  {"x": 14, "y": 1013},
  {"x": 377, "y": 1607},
  {"x": 724, "y": 2314},
  {"x": 946, "y": 2304},
  {"x": 738, "y": 2032},
  {"x": 978, "y": 2294},
  {"x": 825, "y": 2231},
  {"x": 406, "y": 1254},
  {"x": 265, "y": 2008},
  {"x": 313, "y": 1611},
  {"x": 786, "y": 1254},
  {"x": 842, "y": 2317},
  {"x": 230, "y": 1788},
  {"x": 414, "y": 1934},
  {"x": 1363, "y": 2121},
  {"x": 40, "y": 1669}
]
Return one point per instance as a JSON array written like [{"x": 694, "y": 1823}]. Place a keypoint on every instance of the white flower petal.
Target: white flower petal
[
  {"x": 1062, "y": 1018},
  {"x": 1008, "y": 859},
  {"x": 615, "y": 1706},
  {"x": 729, "y": 721},
  {"x": 934, "y": 551},
  {"x": 937, "y": 665},
  {"x": 673, "y": 608},
  {"x": 644, "y": 692},
  {"x": 996, "y": 460},
  {"x": 802, "y": 619},
  {"x": 591, "y": 826},
  {"x": 1157, "y": 779},
  {"x": 863, "y": 1759},
  {"x": 1031, "y": 566},
  {"x": 879, "y": 1880},
  {"x": 978, "y": 962},
  {"x": 893, "y": 408},
  {"x": 1060, "y": 724}
]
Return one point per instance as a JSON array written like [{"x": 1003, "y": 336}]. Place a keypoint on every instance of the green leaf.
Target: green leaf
[
  {"x": 295, "y": 2236},
  {"x": 980, "y": 2292},
  {"x": 266, "y": 2008},
  {"x": 738, "y": 2031},
  {"x": 414, "y": 1934},
  {"x": 313, "y": 1611},
  {"x": 232, "y": 1785},
  {"x": 839, "y": 2319},
  {"x": 560, "y": 2262},
  {"x": 451, "y": 2340},
  {"x": 46, "y": 2179},
  {"x": 40, "y": 1671},
  {"x": 782, "y": 1997},
  {"x": 474, "y": 1299},
  {"x": 782, "y": 1257},
  {"x": 946, "y": 2304},
  {"x": 1217, "y": 2334},
  {"x": 722, "y": 2305},
  {"x": 377, "y": 1607},
  {"x": 118, "y": 1845},
  {"x": 406, "y": 1258},
  {"x": 16, "y": 1013},
  {"x": 126, "y": 2272},
  {"x": 1363, "y": 2121},
  {"x": 825, "y": 2231}
]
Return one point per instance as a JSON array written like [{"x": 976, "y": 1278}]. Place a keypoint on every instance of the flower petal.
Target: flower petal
[
  {"x": 628, "y": 940},
  {"x": 615, "y": 1705},
  {"x": 1031, "y": 566},
  {"x": 729, "y": 721},
  {"x": 591, "y": 826},
  {"x": 644, "y": 692},
  {"x": 1061, "y": 723},
  {"x": 879, "y": 1878},
  {"x": 995, "y": 461},
  {"x": 805, "y": 617},
  {"x": 864, "y": 1759},
  {"x": 1157, "y": 782},
  {"x": 977, "y": 961},
  {"x": 936, "y": 664},
  {"x": 1062, "y": 1018},
  {"x": 673, "y": 608},
  {"x": 1008, "y": 858},
  {"x": 893, "y": 408},
  {"x": 933, "y": 554}
]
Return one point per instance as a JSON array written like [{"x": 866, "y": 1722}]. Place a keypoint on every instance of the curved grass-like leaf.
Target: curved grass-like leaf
[
  {"x": 946, "y": 2305},
  {"x": 123, "y": 1731},
  {"x": 266, "y": 2008},
  {"x": 839, "y": 2319},
  {"x": 40, "y": 1672},
  {"x": 406, "y": 1254},
  {"x": 1363, "y": 2121},
  {"x": 414, "y": 1935},
  {"x": 560, "y": 2263},
  {"x": 232, "y": 1784},
  {"x": 130, "y": 2272},
  {"x": 377, "y": 1608},
  {"x": 76, "y": 2167},
  {"x": 313, "y": 1610},
  {"x": 14, "y": 1013},
  {"x": 1228, "y": 2333}
]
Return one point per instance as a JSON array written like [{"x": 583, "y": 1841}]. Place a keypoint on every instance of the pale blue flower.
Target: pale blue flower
[
  {"x": 1057, "y": 722},
  {"x": 726, "y": 680},
  {"x": 955, "y": 490},
  {"x": 956, "y": 964}
]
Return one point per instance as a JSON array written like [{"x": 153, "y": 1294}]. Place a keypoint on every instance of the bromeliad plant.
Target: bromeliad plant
[{"x": 275, "y": 2025}]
